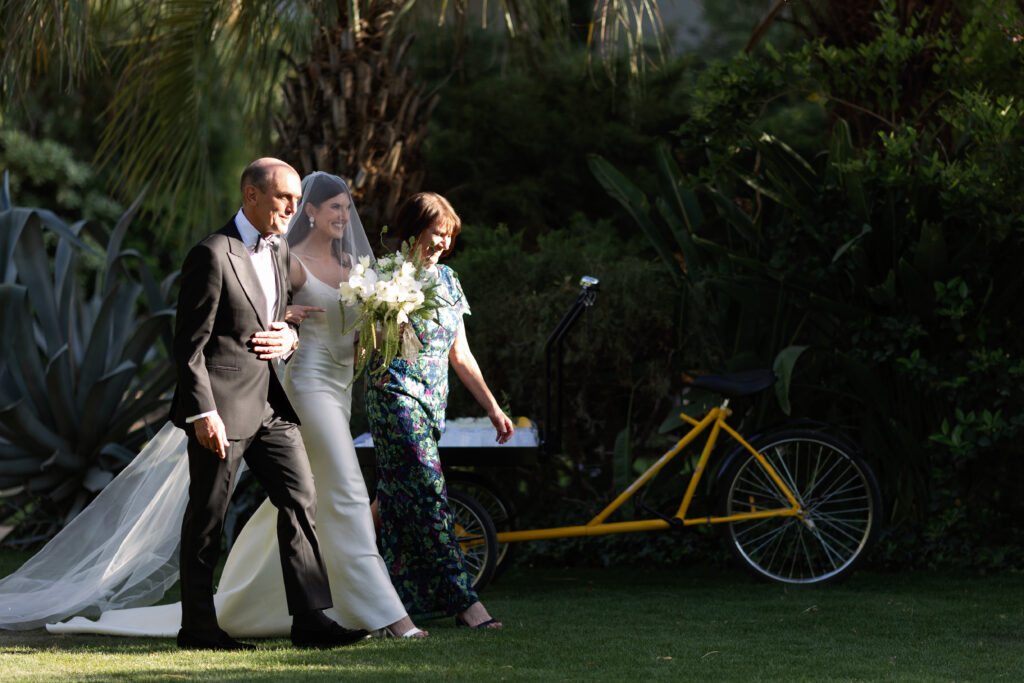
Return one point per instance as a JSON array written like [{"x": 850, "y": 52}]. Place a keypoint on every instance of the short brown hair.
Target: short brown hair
[{"x": 423, "y": 211}]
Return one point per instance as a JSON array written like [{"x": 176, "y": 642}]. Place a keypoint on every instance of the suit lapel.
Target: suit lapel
[{"x": 241, "y": 263}]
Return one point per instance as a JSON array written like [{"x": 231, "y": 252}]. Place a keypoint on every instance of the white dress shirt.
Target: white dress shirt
[{"x": 262, "y": 260}]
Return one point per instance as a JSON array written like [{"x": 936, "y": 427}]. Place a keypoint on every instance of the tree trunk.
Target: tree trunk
[{"x": 353, "y": 109}]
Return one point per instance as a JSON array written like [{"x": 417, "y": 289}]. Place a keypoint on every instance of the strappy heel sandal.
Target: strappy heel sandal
[
  {"x": 459, "y": 621},
  {"x": 411, "y": 633}
]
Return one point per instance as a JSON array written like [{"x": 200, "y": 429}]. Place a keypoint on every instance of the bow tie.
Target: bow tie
[{"x": 264, "y": 242}]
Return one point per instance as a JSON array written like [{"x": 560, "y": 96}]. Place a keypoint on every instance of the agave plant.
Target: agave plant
[{"x": 82, "y": 374}]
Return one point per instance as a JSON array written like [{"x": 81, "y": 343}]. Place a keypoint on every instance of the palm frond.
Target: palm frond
[
  {"x": 620, "y": 27},
  {"x": 196, "y": 55},
  {"x": 39, "y": 33}
]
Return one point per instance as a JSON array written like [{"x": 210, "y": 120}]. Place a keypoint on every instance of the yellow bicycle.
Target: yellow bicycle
[{"x": 798, "y": 503}]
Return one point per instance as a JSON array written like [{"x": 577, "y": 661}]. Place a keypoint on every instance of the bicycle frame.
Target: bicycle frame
[{"x": 716, "y": 421}]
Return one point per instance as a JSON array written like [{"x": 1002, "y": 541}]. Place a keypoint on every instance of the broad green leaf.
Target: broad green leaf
[
  {"x": 130, "y": 413},
  {"x": 101, "y": 403},
  {"x": 117, "y": 454},
  {"x": 885, "y": 291},
  {"x": 25, "y": 367},
  {"x": 678, "y": 203},
  {"x": 736, "y": 217},
  {"x": 690, "y": 259},
  {"x": 841, "y": 152},
  {"x": 21, "y": 467},
  {"x": 865, "y": 229},
  {"x": 114, "y": 253},
  {"x": 20, "y": 424},
  {"x": 60, "y": 387},
  {"x": 635, "y": 203},
  {"x": 12, "y": 451},
  {"x": 33, "y": 265},
  {"x": 100, "y": 340},
  {"x": 787, "y": 162},
  {"x": 145, "y": 335},
  {"x": 783, "y": 366}
]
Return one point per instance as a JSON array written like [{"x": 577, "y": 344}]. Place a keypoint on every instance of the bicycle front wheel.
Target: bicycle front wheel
[{"x": 840, "y": 502}]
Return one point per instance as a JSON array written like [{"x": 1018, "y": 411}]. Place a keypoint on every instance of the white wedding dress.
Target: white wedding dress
[{"x": 250, "y": 596}]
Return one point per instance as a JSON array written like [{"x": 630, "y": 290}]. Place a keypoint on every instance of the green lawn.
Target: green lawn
[{"x": 695, "y": 623}]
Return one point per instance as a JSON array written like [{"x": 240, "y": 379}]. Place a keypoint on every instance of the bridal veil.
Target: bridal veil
[{"x": 120, "y": 551}]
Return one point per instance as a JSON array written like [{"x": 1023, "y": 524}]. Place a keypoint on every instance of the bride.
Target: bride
[{"x": 122, "y": 550}]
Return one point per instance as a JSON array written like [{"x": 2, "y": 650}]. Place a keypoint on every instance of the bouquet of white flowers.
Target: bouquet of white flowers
[{"x": 387, "y": 298}]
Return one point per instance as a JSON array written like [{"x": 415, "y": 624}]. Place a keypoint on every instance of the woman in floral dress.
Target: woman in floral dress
[{"x": 405, "y": 405}]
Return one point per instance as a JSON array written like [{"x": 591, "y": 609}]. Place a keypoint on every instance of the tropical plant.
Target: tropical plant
[
  {"x": 184, "y": 59},
  {"x": 81, "y": 372}
]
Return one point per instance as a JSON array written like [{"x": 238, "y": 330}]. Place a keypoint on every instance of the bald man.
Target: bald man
[{"x": 228, "y": 335}]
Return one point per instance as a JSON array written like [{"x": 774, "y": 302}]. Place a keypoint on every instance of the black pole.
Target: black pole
[{"x": 551, "y": 430}]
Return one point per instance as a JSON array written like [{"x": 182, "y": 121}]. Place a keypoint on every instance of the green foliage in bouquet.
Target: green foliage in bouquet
[{"x": 81, "y": 369}]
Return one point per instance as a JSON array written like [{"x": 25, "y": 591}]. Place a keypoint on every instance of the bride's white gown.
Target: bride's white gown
[{"x": 250, "y": 597}]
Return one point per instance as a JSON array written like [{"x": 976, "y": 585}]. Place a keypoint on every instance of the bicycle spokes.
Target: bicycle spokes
[{"x": 838, "y": 502}]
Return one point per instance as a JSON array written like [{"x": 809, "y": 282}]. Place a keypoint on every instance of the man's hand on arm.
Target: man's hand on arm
[{"x": 278, "y": 341}]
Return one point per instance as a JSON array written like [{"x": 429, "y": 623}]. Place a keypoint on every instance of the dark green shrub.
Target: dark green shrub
[
  {"x": 891, "y": 254},
  {"x": 511, "y": 147}
]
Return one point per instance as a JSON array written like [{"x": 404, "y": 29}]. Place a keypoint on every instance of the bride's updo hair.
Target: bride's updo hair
[
  {"x": 324, "y": 187},
  {"x": 423, "y": 211}
]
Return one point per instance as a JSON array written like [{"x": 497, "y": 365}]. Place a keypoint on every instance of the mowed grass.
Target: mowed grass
[{"x": 693, "y": 623}]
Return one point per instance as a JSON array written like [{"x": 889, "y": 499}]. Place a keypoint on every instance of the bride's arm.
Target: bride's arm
[
  {"x": 296, "y": 273},
  {"x": 297, "y": 276},
  {"x": 465, "y": 365}
]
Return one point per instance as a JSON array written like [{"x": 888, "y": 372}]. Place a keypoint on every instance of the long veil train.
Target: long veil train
[{"x": 121, "y": 551}]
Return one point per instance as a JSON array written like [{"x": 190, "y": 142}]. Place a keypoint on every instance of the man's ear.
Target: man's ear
[{"x": 249, "y": 194}]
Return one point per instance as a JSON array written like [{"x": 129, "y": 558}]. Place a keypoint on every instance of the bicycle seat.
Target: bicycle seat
[{"x": 733, "y": 384}]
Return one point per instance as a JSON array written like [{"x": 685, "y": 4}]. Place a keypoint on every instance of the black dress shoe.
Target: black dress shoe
[
  {"x": 332, "y": 635},
  {"x": 210, "y": 640}
]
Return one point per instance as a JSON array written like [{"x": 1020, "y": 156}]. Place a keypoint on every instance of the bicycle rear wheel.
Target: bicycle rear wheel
[
  {"x": 476, "y": 535},
  {"x": 498, "y": 508},
  {"x": 837, "y": 492}
]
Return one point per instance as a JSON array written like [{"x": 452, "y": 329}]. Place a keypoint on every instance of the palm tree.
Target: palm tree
[
  {"x": 349, "y": 104},
  {"x": 353, "y": 106}
]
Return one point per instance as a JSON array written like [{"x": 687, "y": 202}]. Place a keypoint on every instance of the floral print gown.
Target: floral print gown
[{"x": 405, "y": 406}]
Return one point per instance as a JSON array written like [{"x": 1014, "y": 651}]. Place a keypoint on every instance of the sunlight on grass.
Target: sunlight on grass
[{"x": 621, "y": 624}]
